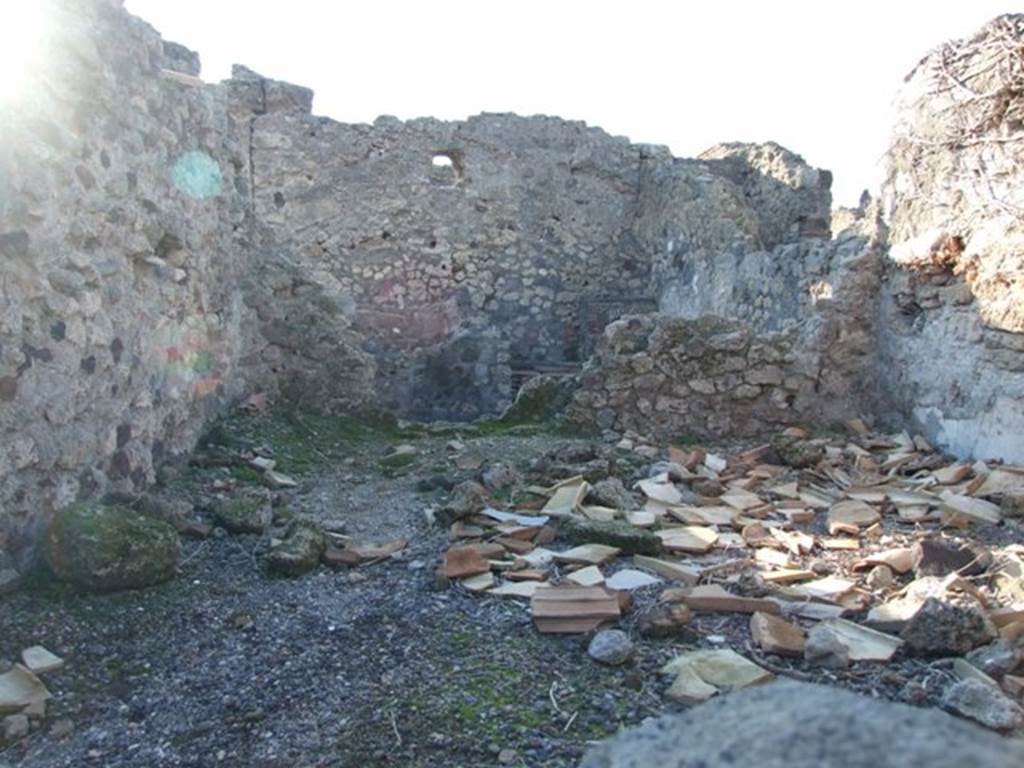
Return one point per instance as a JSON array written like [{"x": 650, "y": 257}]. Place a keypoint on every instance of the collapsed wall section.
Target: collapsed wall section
[{"x": 677, "y": 378}]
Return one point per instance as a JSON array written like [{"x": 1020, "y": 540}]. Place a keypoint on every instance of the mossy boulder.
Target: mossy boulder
[
  {"x": 630, "y": 539},
  {"x": 399, "y": 456},
  {"x": 247, "y": 513},
  {"x": 540, "y": 399},
  {"x": 300, "y": 550},
  {"x": 466, "y": 499},
  {"x": 106, "y": 548},
  {"x": 798, "y": 452}
]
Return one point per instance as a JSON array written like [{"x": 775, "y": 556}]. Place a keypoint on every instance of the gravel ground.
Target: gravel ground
[{"x": 374, "y": 666}]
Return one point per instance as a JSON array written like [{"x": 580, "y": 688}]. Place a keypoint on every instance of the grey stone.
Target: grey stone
[
  {"x": 104, "y": 548},
  {"x": 996, "y": 659},
  {"x": 466, "y": 499},
  {"x": 947, "y": 626},
  {"x": 666, "y": 620},
  {"x": 798, "y": 452},
  {"x": 15, "y": 727},
  {"x": 824, "y": 649},
  {"x": 984, "y": 704},
  {"x": 1013, "y": 504},
  {"x": 610, "y": 646},
  {"x": 628, "y": 538},
  {"x": 499, "y": 475},
  {"x": 786, "y": 724},
  {"x": 246, "y": 513},
  {"x": 300, "y": 550},
  {"x": 540, "y": 399},
  {"x": 610, "y": 492}
]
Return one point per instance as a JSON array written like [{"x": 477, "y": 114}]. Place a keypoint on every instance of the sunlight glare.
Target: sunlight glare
[{"x": 22, "y": 29}]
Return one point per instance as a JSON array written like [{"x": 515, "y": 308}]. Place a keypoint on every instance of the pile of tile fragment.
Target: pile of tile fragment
[{"x": 844, "y": 550}]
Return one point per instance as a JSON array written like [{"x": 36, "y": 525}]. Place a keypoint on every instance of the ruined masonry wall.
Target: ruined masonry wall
[
  {"x": 677, "y": 378},
  {"x": 119, "y": 320},
  {"x": 468, "y": 251},
  {"x": 952, "y": 311}
]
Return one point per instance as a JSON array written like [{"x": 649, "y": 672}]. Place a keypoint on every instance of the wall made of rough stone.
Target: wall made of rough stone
[
  {"x": 529, "y": 237},
  {"x": 741, "y": 232},
  {"x": 518, "y": 231},
  {"x": 119, "y": 314},
  {"x": 952, "y": 323},
  {"x": 710, "y": 377}
]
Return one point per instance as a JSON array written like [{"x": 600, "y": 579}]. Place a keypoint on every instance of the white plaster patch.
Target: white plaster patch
[{"x": 997, "y": 433}]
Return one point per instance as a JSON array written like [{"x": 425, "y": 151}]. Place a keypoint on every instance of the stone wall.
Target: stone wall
[
  {"x": 463, "y": 250},
  {"x": 119, "y": 321},
  {"x": 134, "y": 282},
  {"x": 674, "y": 377},
  {"x": 515, "y": 239},
  {"x": 952, "y": 322}
]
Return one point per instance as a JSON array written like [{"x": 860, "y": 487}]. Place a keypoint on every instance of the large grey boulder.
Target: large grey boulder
[
  {"x": 105, "y": 548},
  {"x": 787, "y": 724}
]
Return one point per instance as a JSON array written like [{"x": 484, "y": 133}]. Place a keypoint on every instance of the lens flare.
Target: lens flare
[
  {"x": 186, "y": 358},
  {"x": 22, "y": 31},
  {"x": 197, "y": 174}
]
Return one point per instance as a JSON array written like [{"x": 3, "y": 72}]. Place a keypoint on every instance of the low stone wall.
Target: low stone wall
[{"x": 707, "y": 378}]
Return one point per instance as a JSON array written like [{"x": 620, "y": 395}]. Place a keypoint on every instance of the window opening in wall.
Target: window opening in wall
[{"x": 446, "y": 166}]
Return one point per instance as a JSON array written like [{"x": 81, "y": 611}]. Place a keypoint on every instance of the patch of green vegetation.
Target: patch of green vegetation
[
  {"x": 497, "y": 427},
  {"x": 686, "y": 439},
  {"x": 304, "y": 440},
  {"x": 245, "y": 474},
  {"x": 398, "y": 460}
]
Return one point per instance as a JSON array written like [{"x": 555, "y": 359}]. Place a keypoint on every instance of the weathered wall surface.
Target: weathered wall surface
[
  {"x": 119, "y": 320},
  {"x": 468, "y": 251},
  {"x": 672, "y": 377},
  {"x": 952, "y": 323},
  {"x": 133, "y": 280},
  {"x": 456, "y": 273}
]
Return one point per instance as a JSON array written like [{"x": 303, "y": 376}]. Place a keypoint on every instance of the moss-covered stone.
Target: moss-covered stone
[
  {"x": 248, "y": 513},
  {"x": 466, "y": 499},
  {"x": 106, "y": 548},
  {"x": 540, "y": 399},
  {"x": 399, "y": 456},
  {"x": 300, "y": 551},
  {"x": 798, "y": 452},
  {"x": 630, "y": 539}
]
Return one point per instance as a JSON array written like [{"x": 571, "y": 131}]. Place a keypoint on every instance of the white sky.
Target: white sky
[{"x": 816, "y": 76}]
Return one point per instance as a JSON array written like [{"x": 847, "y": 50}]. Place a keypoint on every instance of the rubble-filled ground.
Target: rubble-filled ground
[{"x": 865, "y": 561}]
